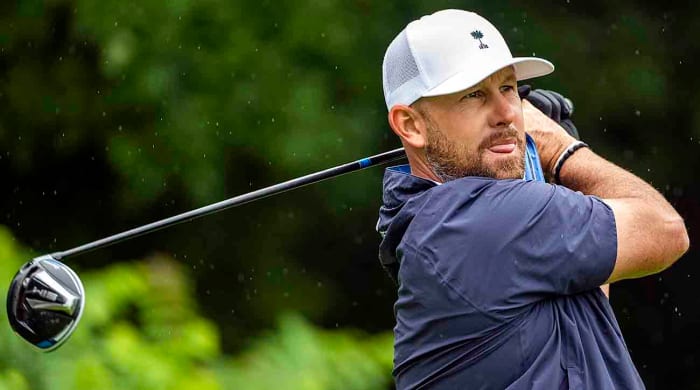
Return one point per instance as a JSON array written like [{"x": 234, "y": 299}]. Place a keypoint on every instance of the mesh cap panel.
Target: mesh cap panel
[{"x": 399, "y": 65}]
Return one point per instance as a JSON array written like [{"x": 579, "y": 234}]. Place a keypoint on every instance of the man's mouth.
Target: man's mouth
[{"x": 504, "y": 146}]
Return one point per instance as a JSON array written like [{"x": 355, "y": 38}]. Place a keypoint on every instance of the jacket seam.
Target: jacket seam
[{"x": 446, "y": 283}]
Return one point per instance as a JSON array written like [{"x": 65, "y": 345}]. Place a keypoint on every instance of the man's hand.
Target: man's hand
[
  {"x": 553, "y": 105},
  {"x": 551, "y": 139}
]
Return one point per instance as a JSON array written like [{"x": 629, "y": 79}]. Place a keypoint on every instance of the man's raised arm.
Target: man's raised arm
[{"x": 651, "y": 235}]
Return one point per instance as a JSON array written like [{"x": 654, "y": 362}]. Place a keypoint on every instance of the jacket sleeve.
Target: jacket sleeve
[{"x": 507, "y": 243}]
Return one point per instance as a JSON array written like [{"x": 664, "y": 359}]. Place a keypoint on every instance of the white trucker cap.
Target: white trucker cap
[{"x": 446, "y": 52}]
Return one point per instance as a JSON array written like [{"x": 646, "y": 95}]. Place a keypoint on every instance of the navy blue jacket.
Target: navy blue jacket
[{"x": 499, "y": 285}]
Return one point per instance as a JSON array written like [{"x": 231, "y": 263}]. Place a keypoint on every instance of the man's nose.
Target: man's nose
[{"x": 502, "y": 111}]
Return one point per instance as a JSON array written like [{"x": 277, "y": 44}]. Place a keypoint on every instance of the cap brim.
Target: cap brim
[{"x": 525, "y": 68}]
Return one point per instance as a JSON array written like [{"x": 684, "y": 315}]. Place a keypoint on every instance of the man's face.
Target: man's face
[{"x": 476, "y": 132}]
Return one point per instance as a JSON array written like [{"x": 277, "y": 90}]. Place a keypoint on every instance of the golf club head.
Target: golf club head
[{"x": 45, "y": 302}]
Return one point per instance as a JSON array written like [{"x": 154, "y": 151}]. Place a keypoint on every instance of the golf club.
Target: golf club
[{"x": 46, "y": 297}]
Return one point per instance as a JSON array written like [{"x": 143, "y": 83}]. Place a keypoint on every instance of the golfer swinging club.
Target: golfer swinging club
[{"x": 499, "y": 277}]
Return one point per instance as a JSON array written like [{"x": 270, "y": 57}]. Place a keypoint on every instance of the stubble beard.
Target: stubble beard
[{"x": 452, "y": 160}]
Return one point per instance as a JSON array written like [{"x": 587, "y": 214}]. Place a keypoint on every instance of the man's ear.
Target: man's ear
[{"x": 409, "y": 125}]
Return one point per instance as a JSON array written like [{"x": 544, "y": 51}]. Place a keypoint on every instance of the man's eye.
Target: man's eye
[
  {"x": 507, "y": 88},
  {"x": 472, "y": 95}
]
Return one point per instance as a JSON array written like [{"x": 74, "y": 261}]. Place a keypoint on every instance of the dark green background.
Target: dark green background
[{"x": 117, "y": 113}]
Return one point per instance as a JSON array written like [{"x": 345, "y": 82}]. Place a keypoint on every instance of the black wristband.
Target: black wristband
[{"x": 576, "y": 145}]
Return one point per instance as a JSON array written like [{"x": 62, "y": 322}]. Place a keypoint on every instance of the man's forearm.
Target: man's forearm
[
  {"x": 650, "y": 233},
  {"x": 591, "y": 174}
]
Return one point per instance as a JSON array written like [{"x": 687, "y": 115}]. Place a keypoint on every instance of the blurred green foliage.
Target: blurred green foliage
[{"x": 141, "y": 330}]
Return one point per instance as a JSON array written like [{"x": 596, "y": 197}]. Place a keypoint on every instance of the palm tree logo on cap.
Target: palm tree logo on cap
[{"x": 476, "y": 34}]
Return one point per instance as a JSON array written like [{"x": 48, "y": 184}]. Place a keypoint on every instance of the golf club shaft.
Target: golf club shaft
[{"x": 367, "y": 162}]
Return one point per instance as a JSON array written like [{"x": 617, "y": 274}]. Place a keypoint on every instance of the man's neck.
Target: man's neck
[{"x": 421, "y": 168}]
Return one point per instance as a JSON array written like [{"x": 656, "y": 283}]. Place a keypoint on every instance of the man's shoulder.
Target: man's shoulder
[
  {"x": 490, "y": 206},
  {"x": 487, "y": 193}
]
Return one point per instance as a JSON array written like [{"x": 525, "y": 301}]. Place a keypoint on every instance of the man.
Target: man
[{"x": 499, "y": 277}]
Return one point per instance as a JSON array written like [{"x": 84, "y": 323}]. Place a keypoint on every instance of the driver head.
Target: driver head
[{"x": 45, "y": 302}]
